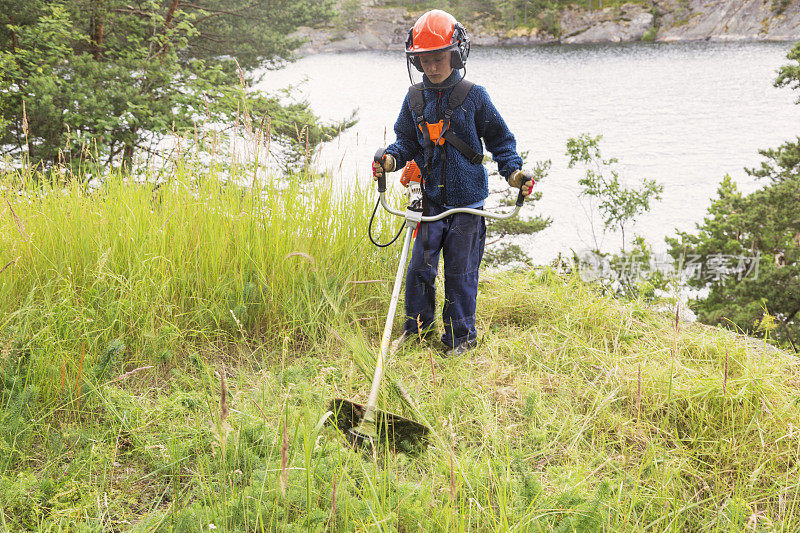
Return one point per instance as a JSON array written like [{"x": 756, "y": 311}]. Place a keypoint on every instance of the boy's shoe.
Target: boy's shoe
[
  {"x": 407, "y": 337},
  {"x": 461, "y": 349}
]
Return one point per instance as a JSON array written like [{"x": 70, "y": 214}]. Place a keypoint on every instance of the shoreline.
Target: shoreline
[
  {"x": 667, "y": 21},
  {"x": 505, "y": 44}
]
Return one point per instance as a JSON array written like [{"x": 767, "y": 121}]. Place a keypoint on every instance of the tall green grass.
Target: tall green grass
[
  {"x": 167, "y": 354},
  {"x": 130, "y": 273}
]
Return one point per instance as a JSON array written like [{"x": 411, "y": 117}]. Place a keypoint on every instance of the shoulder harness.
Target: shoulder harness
[{"x": 440, "y": 132}]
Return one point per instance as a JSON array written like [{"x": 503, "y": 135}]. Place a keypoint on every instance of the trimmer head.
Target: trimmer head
[{"x": 399, "y": 433}]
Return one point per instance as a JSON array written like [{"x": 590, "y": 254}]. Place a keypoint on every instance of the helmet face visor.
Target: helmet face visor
[
  {"x": 416, "y": 59},
  {"x": 415, "y": 73},
  {"x": 438, "y": 76}
]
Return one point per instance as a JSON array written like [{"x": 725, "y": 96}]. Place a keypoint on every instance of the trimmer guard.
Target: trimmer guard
[{"x": 399, "y": 433}]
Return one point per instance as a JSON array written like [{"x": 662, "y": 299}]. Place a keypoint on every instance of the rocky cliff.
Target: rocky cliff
[
  {"x": 739, "y": 20},
  {"x": 379, "y": 28}
]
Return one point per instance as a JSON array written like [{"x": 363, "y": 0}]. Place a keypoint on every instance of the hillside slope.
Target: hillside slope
[{"x": 167, "y": 357}]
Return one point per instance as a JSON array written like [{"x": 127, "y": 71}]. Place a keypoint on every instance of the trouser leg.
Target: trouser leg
[{"x": 463, "y": 251}]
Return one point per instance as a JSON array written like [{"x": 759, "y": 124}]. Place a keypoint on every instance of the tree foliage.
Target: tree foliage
[
  {"x": 618, "y": 205},
  {"x": 764, "y": 224},
  {"x": 781, "y": 163},
  {"x": 762, "y": 232},
  {"x": 103, "y": 78},
  {"x": 500, "y": 251},
  {"x": 789, "y": 74}
]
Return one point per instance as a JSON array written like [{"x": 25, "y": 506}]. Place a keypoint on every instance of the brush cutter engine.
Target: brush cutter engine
[{"x": 411, "y": 178}]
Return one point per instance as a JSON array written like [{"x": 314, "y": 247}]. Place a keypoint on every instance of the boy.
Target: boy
[{"x": 441, "y": 124}]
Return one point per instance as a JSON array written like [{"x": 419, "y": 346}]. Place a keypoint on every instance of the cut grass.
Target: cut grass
[{"x": 125, "y": 309}]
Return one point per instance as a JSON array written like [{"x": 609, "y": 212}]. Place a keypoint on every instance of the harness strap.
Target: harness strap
[
  {"x": 428, "y": 146},
  {"x": 466, "y": 150},
  {"x": 459, "y": 94},
  {"x": 416, "y": 100}
]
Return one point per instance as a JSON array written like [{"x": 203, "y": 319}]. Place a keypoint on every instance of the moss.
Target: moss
[{"x": 650, "y": 35}]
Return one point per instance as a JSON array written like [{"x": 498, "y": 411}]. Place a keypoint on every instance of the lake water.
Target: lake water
[{"x": 682, "y": 114}]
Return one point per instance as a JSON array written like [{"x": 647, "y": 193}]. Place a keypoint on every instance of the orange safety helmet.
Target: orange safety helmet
[{"x": 437, "y": 31}]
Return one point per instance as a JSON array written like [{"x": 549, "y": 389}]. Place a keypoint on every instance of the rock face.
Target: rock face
[
  {"x": 615, "y": 25},
  {"x": 374, "y": 29},
  {"x": 378, "y": 28},
  {"x": 729, "y": 20}
]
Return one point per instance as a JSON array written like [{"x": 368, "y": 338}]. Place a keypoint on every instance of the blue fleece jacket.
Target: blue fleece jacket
[{"x": 454, "y": 181}]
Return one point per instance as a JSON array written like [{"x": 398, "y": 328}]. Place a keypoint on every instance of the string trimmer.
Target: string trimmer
[{"x": 367, "y": 424}]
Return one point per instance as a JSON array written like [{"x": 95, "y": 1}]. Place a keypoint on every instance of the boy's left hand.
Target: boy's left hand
[{"x": 520, "y": 178}]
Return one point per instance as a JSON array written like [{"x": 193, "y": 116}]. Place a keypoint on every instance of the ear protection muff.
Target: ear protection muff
[{"x": 461, "y": 43}]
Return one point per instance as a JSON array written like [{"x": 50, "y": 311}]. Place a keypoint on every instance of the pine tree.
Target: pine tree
[
  {"x": 763, "y": 226},
  {"x": 101, "y": 79}
]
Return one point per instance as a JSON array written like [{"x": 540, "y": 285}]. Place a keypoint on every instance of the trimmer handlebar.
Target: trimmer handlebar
[
  {"x": 418, "y": 217},
  {"x": 381, "y": 153}
]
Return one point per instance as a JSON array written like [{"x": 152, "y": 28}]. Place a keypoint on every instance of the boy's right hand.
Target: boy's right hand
[
  {"x": 521, "y": 179},
  {"x": 379, "y": 170}
]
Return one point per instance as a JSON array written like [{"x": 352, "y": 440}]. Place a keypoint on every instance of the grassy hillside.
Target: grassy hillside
[{"x": 166, "y": 356}]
